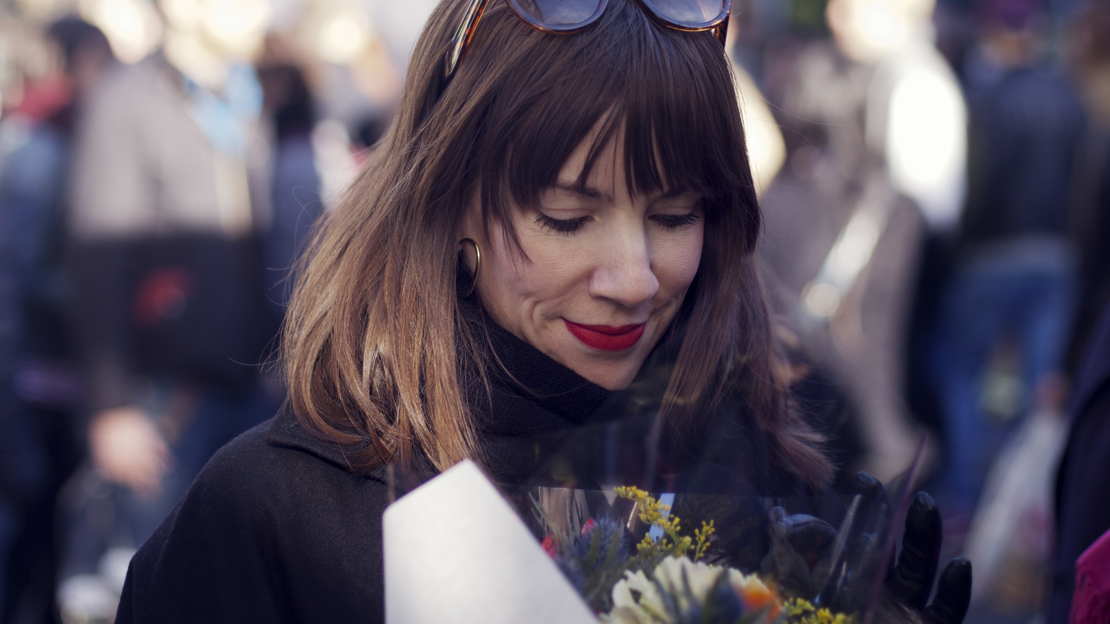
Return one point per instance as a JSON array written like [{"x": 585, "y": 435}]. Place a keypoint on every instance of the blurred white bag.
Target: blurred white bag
[{"x": 1011, "y": 535}]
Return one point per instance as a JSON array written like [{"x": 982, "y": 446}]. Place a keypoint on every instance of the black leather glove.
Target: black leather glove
[
  {"x": 911, "y": 581},
  {"x": 805, "y": 559}
]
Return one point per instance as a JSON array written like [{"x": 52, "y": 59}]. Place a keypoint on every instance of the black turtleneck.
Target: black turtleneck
[
  {"x": 542, "y": 393},
  {"x": 543, "y": 424}
]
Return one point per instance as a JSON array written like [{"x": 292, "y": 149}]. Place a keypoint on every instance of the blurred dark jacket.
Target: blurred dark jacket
[
  {"x": 1082, "y": 509},
  {"x": 292, "y": 185},
  {"x": 1025, "y": 135},
  {"x": 32, "y": 190},
  {"x": 21, "y": 461}
]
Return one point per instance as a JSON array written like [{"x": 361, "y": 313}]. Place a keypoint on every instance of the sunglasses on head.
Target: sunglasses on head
[{"x": 571, "y": 16}]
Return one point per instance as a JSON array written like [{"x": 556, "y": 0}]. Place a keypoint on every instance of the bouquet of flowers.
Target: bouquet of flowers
[
  {"x": 664, "y": 578},
  {"x": 457, "y": 545}
]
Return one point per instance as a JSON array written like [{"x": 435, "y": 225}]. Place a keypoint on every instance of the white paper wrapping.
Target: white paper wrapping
[{"x": 455, "y": 552}]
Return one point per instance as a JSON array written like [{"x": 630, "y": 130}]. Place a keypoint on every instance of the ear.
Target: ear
[
  {"x": 470, "y": 218},
  {"x": 470, "y": 251},
  {"x": 472, "y": 227}
]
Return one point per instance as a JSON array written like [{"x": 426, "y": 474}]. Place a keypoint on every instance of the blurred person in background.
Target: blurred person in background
[
  {"x": 1089, "y": 41},
  {"x": 33, "y": 182},
  {"x": 822, "y": 401},
  {"x": 167, "y": 276},
  {"x": 876, "y": 131},
  {"x": 400, "y": 24},
  {"x": 292, "y": 184},
  {"x": 1013, "y": 266},
  {"x": 1082, "y": 513},
  {"x": 21, "y": 457}
]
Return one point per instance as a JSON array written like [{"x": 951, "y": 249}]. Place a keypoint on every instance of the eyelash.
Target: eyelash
[
  {"x": 570, "y": 226},
  {"x": 562, "y": 226},
  {"x": 674, "y": 222}
]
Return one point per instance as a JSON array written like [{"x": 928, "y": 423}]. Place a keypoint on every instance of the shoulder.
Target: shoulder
[
  {"x": 276, "y": 468},
  {"x": 245, "y": 472},
  {"x": 251, "y": 460},
  {"x": 266, "y": 530},
  {"x": 277, "y": 474}
]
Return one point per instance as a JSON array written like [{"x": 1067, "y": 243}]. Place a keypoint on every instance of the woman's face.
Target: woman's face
[{"x": 605, "y": 272}]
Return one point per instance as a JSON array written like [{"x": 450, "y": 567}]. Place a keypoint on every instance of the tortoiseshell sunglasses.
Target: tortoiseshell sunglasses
[{"x": 571, "y": 16}]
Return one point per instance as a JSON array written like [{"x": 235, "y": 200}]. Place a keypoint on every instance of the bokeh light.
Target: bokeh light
[{"x": 133, "y": 27}]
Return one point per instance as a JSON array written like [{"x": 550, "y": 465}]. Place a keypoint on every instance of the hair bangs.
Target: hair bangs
[
  {"x": 627, "y": 79},
  {"x": 682, "y": 128}
]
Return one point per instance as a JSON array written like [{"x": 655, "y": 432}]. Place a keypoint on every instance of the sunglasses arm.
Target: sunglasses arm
[
  {"x": 721, "y": 30},
  {"x": 462, "y": 37}
]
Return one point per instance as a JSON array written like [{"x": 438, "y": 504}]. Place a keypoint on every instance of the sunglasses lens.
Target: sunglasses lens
[
  {"x": 688, "y": 13},
  {"x": 558, "y": 14}
]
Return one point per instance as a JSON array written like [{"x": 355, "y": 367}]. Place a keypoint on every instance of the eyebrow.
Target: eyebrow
[
  {"x": 592, "y": 193},
  {"x": 584, "y": 191},
  {"x": 677, "y": 191}
]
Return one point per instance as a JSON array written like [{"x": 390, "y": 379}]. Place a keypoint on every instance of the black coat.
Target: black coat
[
  {"x": 278, "y": 529},
  {"x": 275, "y": 529},
  {"x": 1082, "y": 508}
]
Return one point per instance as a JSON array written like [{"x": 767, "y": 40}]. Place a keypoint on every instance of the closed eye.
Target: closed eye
[
  {"x": 562, "y": 226},
  {"x": 676, "y": 221}
]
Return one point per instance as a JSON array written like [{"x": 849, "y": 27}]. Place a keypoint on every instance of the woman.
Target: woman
[
  {"x": 556, "y": 232},
  {"x": 531, "y": 137}
]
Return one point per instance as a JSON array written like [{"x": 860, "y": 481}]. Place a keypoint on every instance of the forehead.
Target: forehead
[
  {"x": 595, "y": 158},
  {"x": 599, "y": 161}
]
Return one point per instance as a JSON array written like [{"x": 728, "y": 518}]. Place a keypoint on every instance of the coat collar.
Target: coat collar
[{"x": 286, "y": 431}]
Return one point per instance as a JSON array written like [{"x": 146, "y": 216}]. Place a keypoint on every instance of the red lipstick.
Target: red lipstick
[{"x": 605, "y": 337}]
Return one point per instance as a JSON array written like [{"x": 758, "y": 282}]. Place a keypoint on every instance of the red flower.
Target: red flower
[
  {"x": 589, "y": 526},
  {"x": 549, "y": 547}
]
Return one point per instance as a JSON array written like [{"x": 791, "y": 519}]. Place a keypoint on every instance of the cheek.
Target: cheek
[
  {"x": 505, "y": 277},
  {"x": 516, "y": 285},
  {"x": 678, "y": 261}
]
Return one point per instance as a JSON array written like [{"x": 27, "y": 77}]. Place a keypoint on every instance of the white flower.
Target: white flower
[
  {"x": 700, "y": 577},
  {"x": 648, "y": 608},
  {"x": 628, "y": 615},
  {"x": 745, "y": 583},
  {"x": 649, "y": 599}
]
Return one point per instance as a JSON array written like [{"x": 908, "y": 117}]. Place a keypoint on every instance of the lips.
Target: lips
[{"x": 606, "y": 337}]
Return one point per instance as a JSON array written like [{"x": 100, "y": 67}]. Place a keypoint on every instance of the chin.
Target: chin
[
  {"x": 610, "y": 377},
  {"x": 612, "y": 371}
]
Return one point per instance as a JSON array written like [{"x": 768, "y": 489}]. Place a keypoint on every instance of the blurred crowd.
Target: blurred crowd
[{"x": 935, "y": 176}]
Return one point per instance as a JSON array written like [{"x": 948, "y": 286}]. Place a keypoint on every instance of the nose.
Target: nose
[{"x": 624, "y": 273}]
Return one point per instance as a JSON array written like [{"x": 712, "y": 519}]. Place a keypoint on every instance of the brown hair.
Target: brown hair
[{"x": 374, "y": 337}]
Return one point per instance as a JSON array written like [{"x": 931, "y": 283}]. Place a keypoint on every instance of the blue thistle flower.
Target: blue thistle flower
[{"x": 604, "y": 545}]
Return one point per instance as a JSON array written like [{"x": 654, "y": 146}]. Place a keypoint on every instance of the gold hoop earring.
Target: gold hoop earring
[{"x": 477, "y": 266}]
